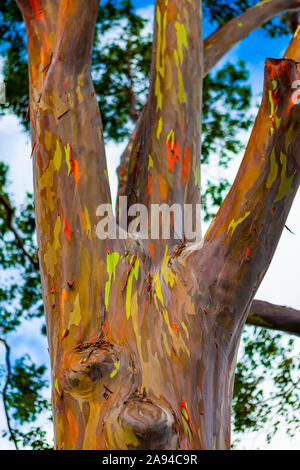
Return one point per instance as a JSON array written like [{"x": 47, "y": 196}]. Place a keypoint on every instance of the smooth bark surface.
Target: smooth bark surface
[{"x": 274, "y": 317}]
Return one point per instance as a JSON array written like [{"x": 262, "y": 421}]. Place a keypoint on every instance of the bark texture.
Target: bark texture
[{"x": 143, "y": 337}]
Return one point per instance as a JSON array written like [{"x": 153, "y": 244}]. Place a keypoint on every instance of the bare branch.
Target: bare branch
[
  {"x": 4, "y": 392},
  {"x": 293, "y": 50},
  {"x": 274, "y": 317},
  {"x": 227, "y": 36},
  {"x": 10, "y": 226}
]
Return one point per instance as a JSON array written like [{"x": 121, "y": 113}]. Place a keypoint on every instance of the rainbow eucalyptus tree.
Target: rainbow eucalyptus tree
[{"x": 143, "y": 333}]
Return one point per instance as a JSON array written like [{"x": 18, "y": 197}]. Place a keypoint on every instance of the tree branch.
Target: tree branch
[
  {"x": 19, "y": 242},
  {"x": 4, "y": 392},
  {"x": 228, "y": 35},
  {"x": 215, "y": 47},
  {"x": 241, "y": 240},
  {"x": 274, "y": 317},
  {"x": 164, "y": 152},
  {"x": 70, "y": 172}
]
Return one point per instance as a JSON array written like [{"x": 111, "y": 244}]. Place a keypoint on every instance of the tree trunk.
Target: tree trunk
[{"x": 143, "y": 336}]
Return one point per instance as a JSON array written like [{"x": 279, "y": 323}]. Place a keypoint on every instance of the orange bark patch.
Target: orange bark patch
[
  {"x": 32, "y": 150},
  {"x": 186, "y": 164},
  {"x": 38, "y": 9},
  {"x": 63, "y": 296},
  {"x": 46, "y": 42},
  {"x": 150, "y": 185},
  {"x": 66, "y": 83},
  {"x": 42, "y": 54},
  {"x": 67, "y": 229},
  {"x": 163, "y": 188},
  {"x": 75, "y": 170},
  {"x": 34, "y": 77},
  {"x": 173, "y": 151},
  {"x": 73, "y": 426},
  {"x": 151, "y": 249}
]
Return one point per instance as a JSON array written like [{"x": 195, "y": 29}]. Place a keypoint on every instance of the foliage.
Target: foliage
[
  {"x": 271, "y": 394},
  {"x": 222, "y": 11},
  {"x": 23, "y": 392},
  {"x": 20, "y": 294},
  {"x": 121, "y": 64},
  {"x": 121, "y": 74},
  {"x": 20, "y": 300},
  {"x": 226, "y": 100}
]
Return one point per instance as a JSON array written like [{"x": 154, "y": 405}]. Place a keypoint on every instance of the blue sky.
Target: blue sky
[{"x": 281, "y": 284}]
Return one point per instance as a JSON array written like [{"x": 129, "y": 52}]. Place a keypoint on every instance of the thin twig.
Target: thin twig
[
  {"x": 10, "y": 212},
  {"x": 133, "y": 99},
  {"x": 4, "y": 392}
]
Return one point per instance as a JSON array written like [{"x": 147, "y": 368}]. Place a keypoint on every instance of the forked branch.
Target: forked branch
[{"x": 18, "y": 239}]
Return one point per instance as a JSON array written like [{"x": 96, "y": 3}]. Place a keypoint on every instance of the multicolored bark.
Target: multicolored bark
[
  {"x": 215, "y": 47},
  {"x": 143, "y": 340},
  {"x": 165, "y": 134}
]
